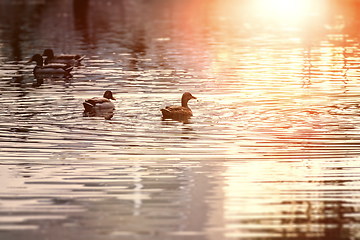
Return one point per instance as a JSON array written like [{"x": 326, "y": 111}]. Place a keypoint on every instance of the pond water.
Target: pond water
[{"x": 272, "y": 151}]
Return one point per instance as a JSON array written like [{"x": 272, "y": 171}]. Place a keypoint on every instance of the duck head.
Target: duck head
[
  {"x": 38, "y": 59},
  {"x": 185, "y": 98},
  {"x": 108, "y": 94},
  {"x": 48, "y": 53}
]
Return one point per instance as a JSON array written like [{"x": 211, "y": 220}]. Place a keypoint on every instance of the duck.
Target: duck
[
  {"x": 100, "y": 106},
  {"x": 70, "y": 59},
  {"x": 51, "y": 69},
  {"x": 182, "y": 112}
]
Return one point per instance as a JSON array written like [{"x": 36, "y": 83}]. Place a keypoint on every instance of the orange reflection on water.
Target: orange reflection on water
[
  {"x": 261, "y": 200},
  {"x": 286, "y": 10},
  {"x": 282, "y": 11}
]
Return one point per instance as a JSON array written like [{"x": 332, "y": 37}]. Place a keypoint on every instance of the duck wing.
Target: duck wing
[
  {"x": 52, "y": 69},
  {"x": 66, "y": 56},
  {"x": 97, "y": 100},
  {"x": 57, "y": 66},
  {"x": 99, "y": 106},
  {"x": 98, "y": 103},
  {"x": 65, "y": 59},
  {"x": 176, "y": 112}
]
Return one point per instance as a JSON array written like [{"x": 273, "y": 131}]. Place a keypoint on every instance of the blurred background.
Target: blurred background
[{"x": 132, "y": 26}]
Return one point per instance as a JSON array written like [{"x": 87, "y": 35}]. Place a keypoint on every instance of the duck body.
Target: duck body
[
  {"x": 182, "y": 112},
  {"x": 176, "y": 112},
  {"x": 100, "y": 106},
  {"x": 73, "y": 60},
  {"x": 51, "y": 69}
]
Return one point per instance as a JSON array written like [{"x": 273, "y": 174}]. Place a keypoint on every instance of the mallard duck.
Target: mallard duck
[
  {"x": 51, "y": 69},
  {"x": 179, "y": 112},
  {"x": 73, "y": 60},
  {"x": 100, "y": 106}
]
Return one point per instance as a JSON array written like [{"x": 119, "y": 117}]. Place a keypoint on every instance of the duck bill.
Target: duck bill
[
  {"x": 113, "y": 98},
  {"x": 193, "y": 97},
  {"x": 29, "y": 61}
]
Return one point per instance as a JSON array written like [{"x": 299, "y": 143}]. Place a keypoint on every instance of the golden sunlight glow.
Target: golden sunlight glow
[
  {"x": 284, "y": 10},
  {"x": 280, "y": 7}
]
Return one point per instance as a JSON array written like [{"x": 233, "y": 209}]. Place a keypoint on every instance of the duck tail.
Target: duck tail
[
  {"x": 165, "y": 113},
  {"x": 79, "y": 58},
  {"x": 88, "y": 107},
  {"x": 68, "y": 69}
]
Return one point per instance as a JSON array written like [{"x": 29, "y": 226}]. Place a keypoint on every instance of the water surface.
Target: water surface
[{"x": 272, "y": 150}]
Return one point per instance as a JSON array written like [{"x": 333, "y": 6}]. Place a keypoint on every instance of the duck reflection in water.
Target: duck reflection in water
[
  {"x": 100, "y": 106},
  {"x": 179, "y": 113},
  {"x": 41, "y": 79},
  {"x": 38, "y": 82}
]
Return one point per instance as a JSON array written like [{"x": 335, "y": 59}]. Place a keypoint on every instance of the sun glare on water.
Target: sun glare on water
[
  {"x": 288, "y": 11},
  {"x": 281, "y": 7}
]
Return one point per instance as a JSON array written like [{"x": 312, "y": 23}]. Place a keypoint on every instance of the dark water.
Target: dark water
[{"x": 272, "y": 151}]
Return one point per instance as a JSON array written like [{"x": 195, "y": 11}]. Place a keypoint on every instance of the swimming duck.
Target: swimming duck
[
  {"x": 100, "y": 106},
  {"x": 73, "y": 60},
  {"x": 51, "y": 69},
  {"x": 179, "y": 112}
]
